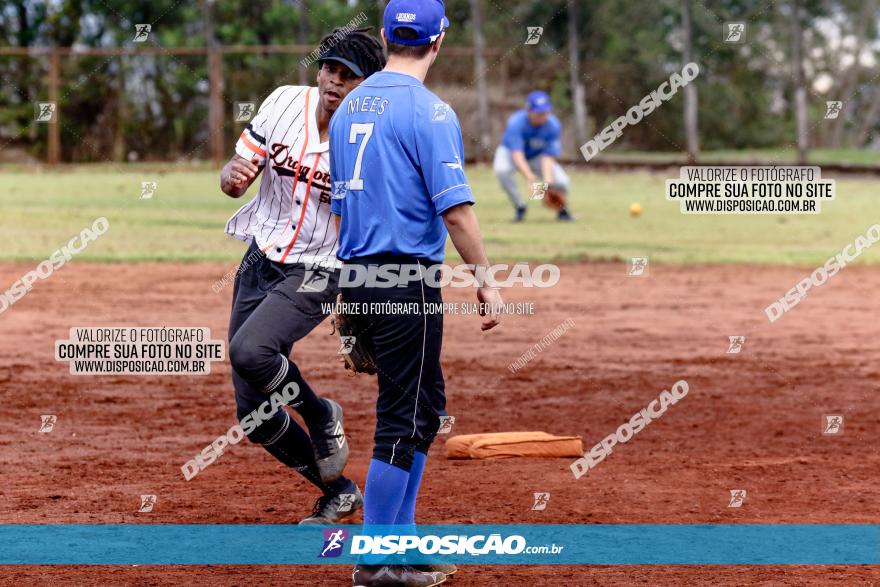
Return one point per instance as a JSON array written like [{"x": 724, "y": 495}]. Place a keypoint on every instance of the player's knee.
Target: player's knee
[
  {"x": 249, "y": 359},
  {"x": 502, "y": 167},
  {"x": 503, "y": 171},
  {"x": 501, "y": 163},
  {"x": 238, "y": 350}
]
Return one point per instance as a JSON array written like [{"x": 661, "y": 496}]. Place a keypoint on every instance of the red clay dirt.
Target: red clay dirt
[{"x": 751, "y": 420}]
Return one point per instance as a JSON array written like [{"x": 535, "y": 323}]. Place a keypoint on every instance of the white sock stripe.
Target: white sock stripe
[
  {"x": 279, "y": 377},
  {"x": 281, "y": 432}
]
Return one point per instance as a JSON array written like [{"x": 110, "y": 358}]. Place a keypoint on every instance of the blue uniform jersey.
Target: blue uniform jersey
[
  {"x": 520, "y": 135},
  {"x": 396, "y": 161}
]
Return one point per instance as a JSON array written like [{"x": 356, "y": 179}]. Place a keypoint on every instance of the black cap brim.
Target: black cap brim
[{"x": 352, "y": 66}]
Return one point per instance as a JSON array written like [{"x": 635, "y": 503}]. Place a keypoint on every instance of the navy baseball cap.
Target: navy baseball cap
[
  {"x": 539, "y": 102},
  {"x": 426, "y": 17}
]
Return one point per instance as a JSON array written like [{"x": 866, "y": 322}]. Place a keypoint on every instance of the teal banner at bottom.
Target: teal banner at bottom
[{"x": 278, "y": 544}]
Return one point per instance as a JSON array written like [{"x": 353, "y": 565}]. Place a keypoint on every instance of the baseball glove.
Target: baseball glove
[
  {"x": 356, "y": 356},
  {"x": 554, "y": 199}
]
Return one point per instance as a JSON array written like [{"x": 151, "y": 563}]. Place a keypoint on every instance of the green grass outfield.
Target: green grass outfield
[{"x": 43, "y": 208}]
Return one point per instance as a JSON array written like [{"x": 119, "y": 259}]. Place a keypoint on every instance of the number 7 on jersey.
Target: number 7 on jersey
[{"x": 357, "y": 129}]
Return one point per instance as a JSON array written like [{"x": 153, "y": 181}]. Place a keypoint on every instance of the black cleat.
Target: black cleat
[
  {"x": 520, "y": 214},
  {"x": 393, "y": 576},
  {"x": 330, "y": 446},
  {"x": 330, "y": 509},
  {"x": 564, "y": 216}
]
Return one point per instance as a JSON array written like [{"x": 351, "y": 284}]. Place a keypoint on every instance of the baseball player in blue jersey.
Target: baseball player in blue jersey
[
  {"x": 399, "y": 189},
  {"x": 531, "y": 145},
  {"x": 289, "y": 227}
]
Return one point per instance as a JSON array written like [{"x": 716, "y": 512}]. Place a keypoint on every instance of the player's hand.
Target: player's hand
[
  {"x": 490, "y": 308},
  {"x": 240, "y": 172}
]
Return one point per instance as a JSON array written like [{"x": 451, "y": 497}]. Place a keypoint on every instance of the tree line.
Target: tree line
[{"x": 769, "y": 88}]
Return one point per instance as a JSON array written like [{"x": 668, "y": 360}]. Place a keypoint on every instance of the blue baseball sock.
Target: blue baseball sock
[
  {"x": 407, "y": 513},
  {"x": 406, "y": 516},
  {"x": 383, "y": 495}
]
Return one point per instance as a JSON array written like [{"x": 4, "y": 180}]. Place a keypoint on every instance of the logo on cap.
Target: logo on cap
[{"x": 405, "y": 17}]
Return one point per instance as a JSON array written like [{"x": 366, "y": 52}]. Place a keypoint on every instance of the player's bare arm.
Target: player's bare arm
[
  {"x": 519, "y": 159},
  {"x": 464, "y": 230},
  {"x": 238, "y": 175}
]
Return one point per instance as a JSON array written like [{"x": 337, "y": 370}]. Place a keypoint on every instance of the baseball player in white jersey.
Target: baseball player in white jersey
[{"x": 291, "y": 234}]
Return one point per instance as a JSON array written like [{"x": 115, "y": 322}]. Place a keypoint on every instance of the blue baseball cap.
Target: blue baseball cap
[
  {"x": 426, "y": 17},
  {"x": 539, "y": 102}
]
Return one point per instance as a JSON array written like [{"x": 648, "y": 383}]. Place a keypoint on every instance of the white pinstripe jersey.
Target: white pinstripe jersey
[{"x": 290, "y": 215}]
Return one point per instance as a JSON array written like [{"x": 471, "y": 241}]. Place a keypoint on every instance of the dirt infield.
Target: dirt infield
[{"x": 751, "y": 420}]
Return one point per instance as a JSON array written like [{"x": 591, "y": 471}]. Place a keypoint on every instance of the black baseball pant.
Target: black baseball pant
[
  {"x": 407, "y": 349},
  {"x": 270, "y": 312}
]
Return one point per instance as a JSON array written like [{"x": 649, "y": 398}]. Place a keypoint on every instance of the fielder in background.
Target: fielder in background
[
  {"x": 399, "y": 190},
  {"x": 290, "y": 268},
  {"x": 531, "y": 144}
]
